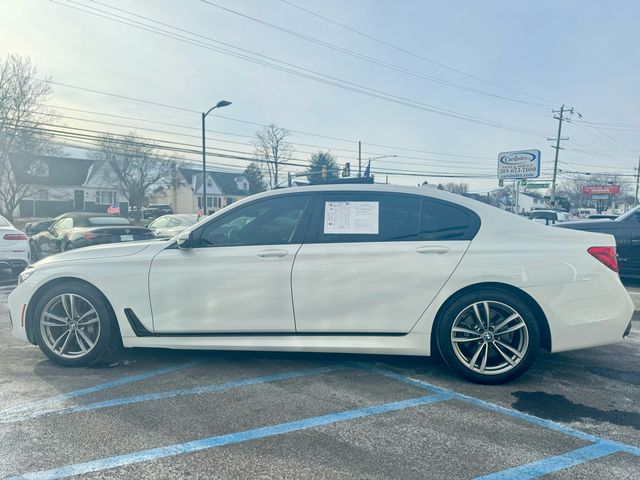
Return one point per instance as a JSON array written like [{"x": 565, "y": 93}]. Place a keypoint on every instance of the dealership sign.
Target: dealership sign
[
  {"x": 601, "y": 189},
  {"x": 518, "y": 165}
]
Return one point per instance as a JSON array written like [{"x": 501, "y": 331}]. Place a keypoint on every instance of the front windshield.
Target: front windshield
[{"x": 629, "y": 214}]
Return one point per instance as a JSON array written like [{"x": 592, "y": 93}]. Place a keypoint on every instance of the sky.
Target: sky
[{"x": 428, "y": 63}]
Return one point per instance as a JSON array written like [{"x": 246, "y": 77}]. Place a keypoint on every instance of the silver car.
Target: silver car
[{"x": 169, "y": 226}]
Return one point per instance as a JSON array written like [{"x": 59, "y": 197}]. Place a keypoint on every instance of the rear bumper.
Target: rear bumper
[{"x": 585, "y": 314}]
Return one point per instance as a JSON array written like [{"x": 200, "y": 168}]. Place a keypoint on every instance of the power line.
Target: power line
[
  {"x": 95, "y": 136},
  {"x": 250, "y": 56},
  {"x": 367, "y": 58},
  {"x": 416, "y": 55}
]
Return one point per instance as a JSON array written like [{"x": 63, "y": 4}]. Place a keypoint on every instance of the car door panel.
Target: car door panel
[
  {"x": 369, "y": 287},
  {"x": 223, "y": 289},
  {"x": 237, "y": 278},
  {"x": 374, "y": 283}
]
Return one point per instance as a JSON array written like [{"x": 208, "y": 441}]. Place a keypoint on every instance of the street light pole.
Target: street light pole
[
  {"x": 378, "y": 158},
  {"x": 220, "y": 104}
]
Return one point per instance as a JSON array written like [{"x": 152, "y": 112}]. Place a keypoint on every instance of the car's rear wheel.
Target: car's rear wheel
[
  {"x": 488, "y": 336},
  {"x": 73, "y": 325}
]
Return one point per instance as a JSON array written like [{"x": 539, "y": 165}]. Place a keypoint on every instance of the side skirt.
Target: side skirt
[{"x": 410, "y": 344}]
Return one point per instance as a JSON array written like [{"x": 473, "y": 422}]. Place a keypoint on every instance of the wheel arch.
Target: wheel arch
[
  {"x": 29, "y": 317},
  {"x": 540, "y": 317}
]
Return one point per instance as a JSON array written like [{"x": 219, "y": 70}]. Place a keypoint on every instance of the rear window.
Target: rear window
[
  {"x": 4, "y": 222},
  {"x": 446, "y": 221},
  {"x": 108, "y": 221}
]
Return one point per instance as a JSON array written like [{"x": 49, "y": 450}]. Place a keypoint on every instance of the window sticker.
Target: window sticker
[{"x": 351, "y": 217}]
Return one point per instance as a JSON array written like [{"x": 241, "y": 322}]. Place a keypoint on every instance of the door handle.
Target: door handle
[
  {"x": 272, "y": 253},
  {"x": 439, "y": 249}
]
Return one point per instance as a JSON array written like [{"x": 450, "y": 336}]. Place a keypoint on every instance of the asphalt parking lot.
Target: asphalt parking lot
[{"x": 173, "y": 414}]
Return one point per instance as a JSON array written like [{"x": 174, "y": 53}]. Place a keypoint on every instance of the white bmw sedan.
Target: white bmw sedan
[{"x": 337, "y": 268}]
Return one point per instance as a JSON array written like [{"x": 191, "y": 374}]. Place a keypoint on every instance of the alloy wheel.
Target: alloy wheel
[
  {"x": 70, "y": 325},
  {"x": 489, "y": 337}
]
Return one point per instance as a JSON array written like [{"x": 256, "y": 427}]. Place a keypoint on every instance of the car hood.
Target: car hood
[{"x": 112, "y": 250}]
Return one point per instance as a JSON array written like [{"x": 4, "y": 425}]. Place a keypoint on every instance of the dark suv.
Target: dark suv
[
  {"x": 154, "y": 211},
  {"x": 626, "y": 230}
]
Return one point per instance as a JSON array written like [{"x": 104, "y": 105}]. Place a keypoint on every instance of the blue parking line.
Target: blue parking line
[
  {"x": 541, "y": 422},
  {"x": 232, "y": 438},
  {"x": 21, "y": 416},
  {"x": 556, "y": 463},
  {"x": 96, "y": 388}
]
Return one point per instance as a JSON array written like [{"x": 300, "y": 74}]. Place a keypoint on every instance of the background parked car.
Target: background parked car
[
  {"x": 549, "y": 217},
  {"x": 76, "y": 230},
  {"x": 169, "y": 226},
  {"x": 154, "y": 211},
  {"x": 33, "y": 228},
  {"x": 14, "y": 247},
  {"x": 626, "y": 230}
]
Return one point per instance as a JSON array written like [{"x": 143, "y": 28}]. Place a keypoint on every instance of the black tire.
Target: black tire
[
  {"x": 108, "y": 331},
  {"x": 501, "y": 304},
  {"x": 35, "y": 253}
]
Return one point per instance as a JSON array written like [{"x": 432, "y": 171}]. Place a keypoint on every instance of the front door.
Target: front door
[
  {"x": 78, "y": 200},
  {"x": 372, "y": 263},
  {"x": 236, "y": 277}
]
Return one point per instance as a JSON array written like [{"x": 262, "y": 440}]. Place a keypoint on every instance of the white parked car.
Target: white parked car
[
  {"x": 14, "y": 247},
  {"x": 337, "y": 268},
  {"x": 549, "y": 217},
  {"x": 168, "y": 226}
]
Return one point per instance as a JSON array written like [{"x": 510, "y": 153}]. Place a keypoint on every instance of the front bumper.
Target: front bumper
[{"x": 18, "y": 301}]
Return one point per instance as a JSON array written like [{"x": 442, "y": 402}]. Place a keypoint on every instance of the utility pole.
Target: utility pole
[
  {"x": 637, "y": 180},
  {"x": 359, "y": 158},
  {"x": 560, "y": 118}
]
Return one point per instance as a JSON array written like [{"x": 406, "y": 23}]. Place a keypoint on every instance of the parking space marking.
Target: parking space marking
[
  {"x": 555, "y": 463},
  {"x": 232, "y": 438},
  {"x": 598, "y": 448},
  {"x": 213, "y": 388},
  {"x": 96, "y": 388}
]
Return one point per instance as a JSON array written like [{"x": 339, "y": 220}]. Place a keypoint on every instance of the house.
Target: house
[
  {"x": 185, "y": 191},
  {"x": 61, "y": 184},
  {"x": 528, "y": 202}
]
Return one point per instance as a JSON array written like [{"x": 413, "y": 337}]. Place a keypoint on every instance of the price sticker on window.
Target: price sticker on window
[{"x": 351, "y": 218}]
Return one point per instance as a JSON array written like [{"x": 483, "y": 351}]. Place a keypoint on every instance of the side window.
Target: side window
[
  {"x": 445, "y": 221},
  {"x": 266, "y": 222},
  {"x": 361, "y": 217}
]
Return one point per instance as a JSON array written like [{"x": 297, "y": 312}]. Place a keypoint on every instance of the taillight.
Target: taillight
[
  {"x": 89, "y": 236},
  {"x": 15, "y": 236},
  {"x": 606, "y": 255}
]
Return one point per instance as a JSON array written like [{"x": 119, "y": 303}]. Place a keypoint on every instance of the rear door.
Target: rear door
[{"x": 372, "y": 262}]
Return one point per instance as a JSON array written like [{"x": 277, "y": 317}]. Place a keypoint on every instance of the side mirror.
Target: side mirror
[{"x": 184, "y": 240}]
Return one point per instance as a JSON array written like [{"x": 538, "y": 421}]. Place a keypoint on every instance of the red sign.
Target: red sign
[{"x": 601, "y": 189}]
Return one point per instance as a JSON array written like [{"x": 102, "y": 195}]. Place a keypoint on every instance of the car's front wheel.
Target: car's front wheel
[
  {"x": 488, "y": 336},
  {"x": 73, "y": 325}
]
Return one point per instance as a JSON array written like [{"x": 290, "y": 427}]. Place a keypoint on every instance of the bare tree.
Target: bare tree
[
  {"x": 454, "y": 187},
  {"x": 22, "y": 136},
  {"x": 271, "y": 146},
  {"x": 571, "y": 189},
  {"x": 133, "y": 167}
]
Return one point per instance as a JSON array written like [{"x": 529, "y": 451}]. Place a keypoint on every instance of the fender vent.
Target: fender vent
[{"x": 136, "y": 324}]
